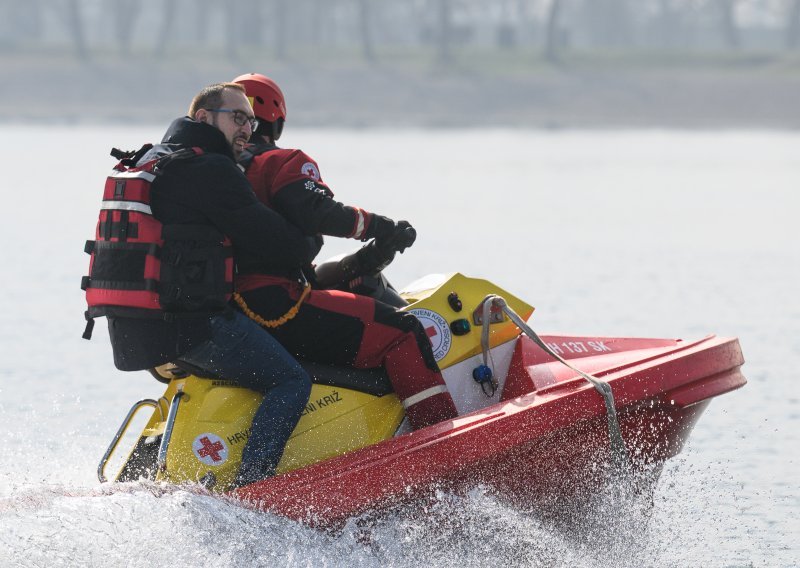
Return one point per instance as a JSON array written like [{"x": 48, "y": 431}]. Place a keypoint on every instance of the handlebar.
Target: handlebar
[
  {"x": 398, "y": 242},
  {"x": 369, "y": 260}
]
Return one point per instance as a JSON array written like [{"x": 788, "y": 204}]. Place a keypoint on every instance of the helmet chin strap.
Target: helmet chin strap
[
  {"x": 271, "y": 130},
  {"x": 277, "y": 129}
]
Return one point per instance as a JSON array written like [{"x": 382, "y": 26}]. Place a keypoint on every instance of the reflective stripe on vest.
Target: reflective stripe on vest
[
  {"x": 147, "y": 176},
  {"x": 127, "y": 206}
]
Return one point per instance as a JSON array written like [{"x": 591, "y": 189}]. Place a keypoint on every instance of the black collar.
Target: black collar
[{"x": 187, "y": 132}]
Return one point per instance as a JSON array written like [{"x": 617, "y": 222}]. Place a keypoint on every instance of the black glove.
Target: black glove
[
  {"x": 401, "y": 237},
  {"x": 380, "y": 227}
]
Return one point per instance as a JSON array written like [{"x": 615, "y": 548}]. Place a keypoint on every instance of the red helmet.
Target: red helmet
[{"x": 265, "y": 96}]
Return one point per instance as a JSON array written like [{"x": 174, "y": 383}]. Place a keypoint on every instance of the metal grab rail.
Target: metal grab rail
[
  {"x": 121, "y": 432},
  {"x": 620, "y": 458},
  {"x": 173, "y": 412}
]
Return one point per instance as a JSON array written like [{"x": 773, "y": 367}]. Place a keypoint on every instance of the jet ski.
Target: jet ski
[{"x": 542, "y": 418}]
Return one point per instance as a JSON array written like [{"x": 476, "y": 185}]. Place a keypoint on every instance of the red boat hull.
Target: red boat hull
[{"x": 540, "y": 443}]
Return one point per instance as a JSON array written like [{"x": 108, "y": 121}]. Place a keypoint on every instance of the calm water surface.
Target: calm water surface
[{"x": 670, "y": 234}]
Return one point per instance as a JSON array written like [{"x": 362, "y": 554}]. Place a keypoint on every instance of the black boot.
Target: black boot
[{"x": 250, "y": 473}]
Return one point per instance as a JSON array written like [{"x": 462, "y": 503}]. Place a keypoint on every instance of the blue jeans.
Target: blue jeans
[{"x": 240, "y": 350}]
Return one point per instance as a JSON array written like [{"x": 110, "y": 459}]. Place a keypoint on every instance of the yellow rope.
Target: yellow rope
[{"x": 276, "y": 322}]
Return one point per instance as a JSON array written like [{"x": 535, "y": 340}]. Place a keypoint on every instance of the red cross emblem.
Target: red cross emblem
[
  {"x": 436, "y": 329},
  {"x": 210, "y": 449}
]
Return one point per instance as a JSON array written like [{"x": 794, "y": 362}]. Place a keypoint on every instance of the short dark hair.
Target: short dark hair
[{"x": 211, "y": 97}]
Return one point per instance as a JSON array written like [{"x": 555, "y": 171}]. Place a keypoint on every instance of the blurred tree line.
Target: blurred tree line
[{"x": 377, "y": 30}]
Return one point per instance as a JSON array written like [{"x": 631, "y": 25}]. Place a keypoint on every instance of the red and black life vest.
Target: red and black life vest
[{"x": 141, "y": 268}]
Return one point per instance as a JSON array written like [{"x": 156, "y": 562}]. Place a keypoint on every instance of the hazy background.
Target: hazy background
[
  {"x": 531, "y": 63},
  {"x": 629, "y": 167}
]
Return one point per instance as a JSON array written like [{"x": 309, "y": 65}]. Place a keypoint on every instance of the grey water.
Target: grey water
[{"x": 619, "y": 233}]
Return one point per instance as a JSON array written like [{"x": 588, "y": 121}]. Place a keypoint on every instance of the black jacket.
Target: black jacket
[{"x": 208, "y": 189}]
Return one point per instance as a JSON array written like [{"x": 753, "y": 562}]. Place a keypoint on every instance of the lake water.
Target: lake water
[{"x": 636, "y": 233}]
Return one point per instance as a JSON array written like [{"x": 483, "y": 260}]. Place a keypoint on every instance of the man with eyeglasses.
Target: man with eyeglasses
[
  {"x": 330, "y": 326},
  {"x": 208, "y": 189}
]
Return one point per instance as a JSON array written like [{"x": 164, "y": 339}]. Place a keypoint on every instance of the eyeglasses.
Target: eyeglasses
[{"x": 239, "y": 117}]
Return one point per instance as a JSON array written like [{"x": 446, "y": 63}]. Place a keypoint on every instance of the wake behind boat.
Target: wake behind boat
[{"x": 530, "y": 426}]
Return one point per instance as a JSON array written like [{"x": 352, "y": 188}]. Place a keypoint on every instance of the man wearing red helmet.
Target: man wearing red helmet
[{"x": 329, "y": 326}]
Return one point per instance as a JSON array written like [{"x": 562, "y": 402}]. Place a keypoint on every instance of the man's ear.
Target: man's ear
[{"x": 201, "y": 115}]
